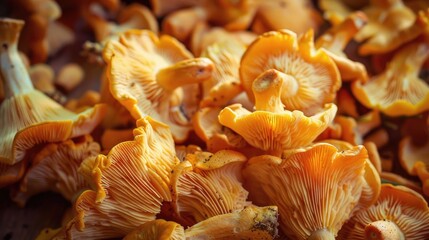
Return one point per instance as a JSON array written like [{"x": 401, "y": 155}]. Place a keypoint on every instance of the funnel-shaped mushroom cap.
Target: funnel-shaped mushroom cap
[
  {"x": 55, "y": 168},
  {"x": 335, "y": 40},
  {"x": 131, "y": 183},
  {"x": 144, "y": 71},
  {"x": 225, "y": 82},
  {"x": 250, "y": 223},
  {"x": 207, "y": 185},
  {"x": 316, "y": 189},
  {"x": 398, "y": 90},
  {"x": 30, "y": 116},
  {"x": 156, "y": 230},
  {"x": 270, "y": 127},
  {"x": 312, "y": 76},
  {"x": 399, "y": 212},
  {"x": 388, "y": 27}
]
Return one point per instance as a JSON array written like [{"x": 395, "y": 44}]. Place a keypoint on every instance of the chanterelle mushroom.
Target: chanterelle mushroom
[
  {"x": 311, "y": 78},
  {"x": 398, "y": 90},
  {"x": 270, "y": 127},
  {"x": 316, "y": 188},
  {"x": 131, "y": 183},
  {"x": 156, "y": 230},
  {"x": 146, "y": 71},
  {"x": 30, "y": 116},
  {"x": 399, "y": 213}
]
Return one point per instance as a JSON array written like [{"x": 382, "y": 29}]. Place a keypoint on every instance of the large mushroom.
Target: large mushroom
[
  {"x": 207, "y": 185},
  {"x": 31, "y": 117},
  {"x": 399, "y": 90},
  {"x": 399, "y": 213},
  {"x": 317, "y": 189},
  {"x": 146, "y": 73},
  {"x": 270, "y": 127},
  {"x": 311, "y": 78},
  {"x": 130, "y": 183}
]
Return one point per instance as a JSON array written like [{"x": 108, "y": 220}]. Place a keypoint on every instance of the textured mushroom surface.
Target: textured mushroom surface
[{"x": 316, "y": 189}]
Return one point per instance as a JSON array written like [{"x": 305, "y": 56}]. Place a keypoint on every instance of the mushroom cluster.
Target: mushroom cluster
[{"x": 220, "y": 119}]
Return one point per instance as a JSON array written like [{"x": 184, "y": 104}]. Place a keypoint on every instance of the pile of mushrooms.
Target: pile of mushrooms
[{"x": 220, "y": 119}]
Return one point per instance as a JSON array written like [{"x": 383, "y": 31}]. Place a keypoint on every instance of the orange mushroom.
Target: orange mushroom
[
  {"x": 354, "y": 130},
  {"x": 32, "y": 117},
  {"x": 399, "y": 213},
  {"x": 207, "y": 185},
  {"x": 225, "y": 82},
  {"x": 250, "y": 223},
  {"x": 145, "y": 72},
  {"x": 55, "y": 168},
  {"x": 387, "y": 23},
  {"x": 130, "y": 183},
  {"x": 398, "y": 90},
  {"x": 270, "y": 127},
  {"x": 317, "y": 188},
  {"x": 311, "y": 78},
  {"x": 337, "y": 11},
  {"x": 335, "y": 40}
]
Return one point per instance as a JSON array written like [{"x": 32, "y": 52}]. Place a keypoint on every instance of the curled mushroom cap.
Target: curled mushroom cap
[
  {"x": 311, "y": 77},
  {"x": 316, "y": 188},
  {"x": 145, "y": 73},
  {"x": 157, "y": 229},
  {"x": 207, "y": 185},
  {"x": 398, "y": 90},
  {"x": 250, "y": 223},
  {"x": 130, "y": 184},
  {"x": 399, "y": 213},
  {"x": 270, "y": 127},
  {"x": 32, "y": 117},
  {"x": 55, "y": 168}
]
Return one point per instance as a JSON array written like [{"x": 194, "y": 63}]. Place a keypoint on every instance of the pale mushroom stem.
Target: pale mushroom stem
[
  {"x": 189, "y": 71},
  {"x": 321, "y": 234},
  {"x": 267, "y": 88},
  {"x": 13, "y": 74},
  {"x": 383, "y": 230}
]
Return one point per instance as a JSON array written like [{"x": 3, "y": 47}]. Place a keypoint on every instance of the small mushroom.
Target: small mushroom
[
  {"x": 399, "y": 213},
  {"x": 130, "y": 183},
  {"x": 55, "y": 168},
  {"x": 70, "y": 76},
  {"x": 335, "y": 40},
  {"x": 250, "y": 223},
  {"x": 398, "y": 90},
  {"x": 270, "y": 127},
  {"x": 387, "y": 20},
  {"x": 144, "y": 72},
  {"x": 354, "y": 130},
  {"x": 311, "y": 78},
  {"x": 207, "y": 185},
  {"x": 337, "y": 11},
  {"x": 317, "y": 188},
  {"x": 156, "y": 230},
  {"x": 32, "y": 117}
]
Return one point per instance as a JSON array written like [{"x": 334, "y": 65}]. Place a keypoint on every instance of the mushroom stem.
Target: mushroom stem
[
  {"x": 321, "y": 234},
  {"x": 188, "y": 71},
  {"x": 383, "y": 230},
  {"x": 13, "y": 74},
  {"x": 267, "y": 88}
]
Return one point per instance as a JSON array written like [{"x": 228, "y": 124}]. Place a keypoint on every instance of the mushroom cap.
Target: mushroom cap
[
  {"x": 398, "y": 90},
  {"x": 315, "y": 188},
  {"x": 410, "y": 154},
  {"x": 276, "y": 131},
  {"x": 403, "y": 207},
  {"x": 313, "y": 71},
  {"x": 207, "y": 185},
  {"x": 157, "y": 229},
  {"x": 11, "y": 173},
  {"x": 55, "y": 168},
  {"x": 130, "y": 183},
  {"x": 144, "y": 71},
  {"x": 250, "y": 223}
]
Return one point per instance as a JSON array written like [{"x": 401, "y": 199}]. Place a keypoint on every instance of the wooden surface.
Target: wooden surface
[{"x": 41, "y": 211}]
